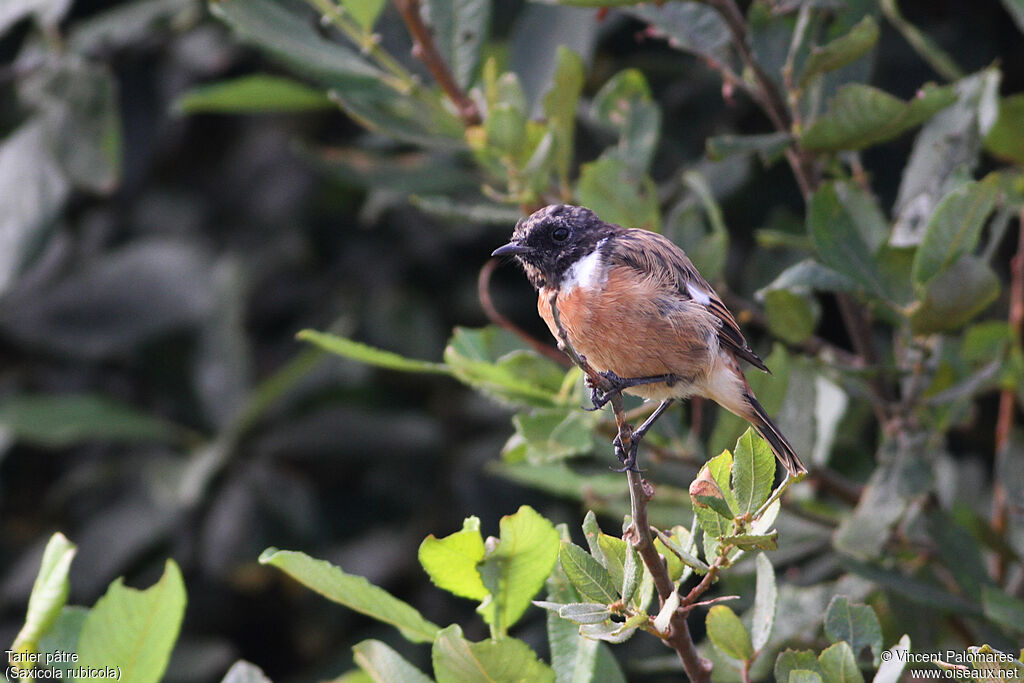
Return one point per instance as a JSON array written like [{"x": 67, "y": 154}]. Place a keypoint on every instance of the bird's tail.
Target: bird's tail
[{"x": 770, "y": 432}]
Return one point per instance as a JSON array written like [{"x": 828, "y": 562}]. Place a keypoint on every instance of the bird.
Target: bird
[{"x": 636, "y": 310}]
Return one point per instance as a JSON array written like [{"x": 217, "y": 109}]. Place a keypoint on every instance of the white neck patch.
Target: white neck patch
[{"x": 586, "y": 272}]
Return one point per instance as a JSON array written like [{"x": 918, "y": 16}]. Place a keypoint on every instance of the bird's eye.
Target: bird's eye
[{"x": 560, "y": 234}]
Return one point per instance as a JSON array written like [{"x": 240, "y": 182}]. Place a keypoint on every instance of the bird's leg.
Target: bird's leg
[
  {"x": 628, "y": 460},
  {"x": 600, "y": 395}
]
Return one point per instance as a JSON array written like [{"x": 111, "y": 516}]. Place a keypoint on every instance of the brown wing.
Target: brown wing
[{"x": 651, "y": 253}]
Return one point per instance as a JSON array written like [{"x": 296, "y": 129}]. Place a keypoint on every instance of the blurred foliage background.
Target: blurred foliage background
[{"x": 164, "y": 236}]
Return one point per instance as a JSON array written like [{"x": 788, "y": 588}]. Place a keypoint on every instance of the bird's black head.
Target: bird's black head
[{"x": 551, "y": 240}]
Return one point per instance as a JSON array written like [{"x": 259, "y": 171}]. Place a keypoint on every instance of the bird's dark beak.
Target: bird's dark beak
[{"x": 512, "y": 249}]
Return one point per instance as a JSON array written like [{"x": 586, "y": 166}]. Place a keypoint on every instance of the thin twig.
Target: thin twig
[
  {"x": 483, "y": 289},
  {"x": 1007, "y": 398},
  {"x": 426, "y": 50}
]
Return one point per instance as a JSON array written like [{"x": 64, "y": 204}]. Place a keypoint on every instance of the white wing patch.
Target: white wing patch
[
  {"x": 586, "y": 273},
  {"x": 698, "y": 294}
]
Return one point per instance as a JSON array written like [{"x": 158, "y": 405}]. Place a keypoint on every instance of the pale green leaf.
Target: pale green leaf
[
  {"x": 795, "y": 660},
  {"x": 245, "y": 672},
  {"x": 841, "y": 51},
  {"x": 354, "y": 592},
  {"x": 1003, "y": 609},
  {"x": 765, "y": 601},
  {"x": 585, "y": 612},
  {"x": 556, "y": 433},
  {"x": 385, "y": 665},
  {"x": 955, "y": 296},
  {"x": 65, "y": 420},
  {"x": 292, "y": 39},
  {"x": 856, "y": 624},
  {"x": 1005, "y": 139},
  {"x": 505, "y": 660},
  {"x": 753, "y": 472},
  {"x": 365, "y": 12},
  {"x": 954, "y": 228},
  {"x": 517, "y": 567},
  {"x": 618, "y": 194},
  {"x": 49, "y": 594},
  {"x": 728, "y": 634},
  {"x": 133, "y": 630},
  {"x": 370, "y": 355},
  {"x": 256, "y": 93},
  {"x": 587, "y": 575},
  {"x": 839, "y": 664},
  {"x": 460, "y": 29},
  {"x": 861, "y": 116},
  {"x": 838, "y": 241},
  {"x": 451, "y": 562}
]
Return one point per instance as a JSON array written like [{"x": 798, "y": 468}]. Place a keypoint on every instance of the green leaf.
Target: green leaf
[
  {"x": 753, "y": 472},
  {"x": 491, "y": 361},
  {"x": 841, "y": 51},
  {"x": 556, "y": 433},
  {"x": 680, "y": 552},
  {"x": 791, "y": 317},
  {"x": 560, "y": 105},
  {"x": 245, "y": 672},
  {"x": 516, "y": 568},
  {"x": 839, "y": 664},
  {"x": 295, "y": 41},
  {"x": 769, "y": 146},
  {"x": 861, "y": 116},
  {"x": 709, "y": 504},
  {"x": 385, "y": 665},
  {"x": 505, "y": 660},
  {"x": 625, "y": 105},
  {"x": 1003, "y": 609},
  {"x": 955, "y": 296},
  {"x": 448, "y": 209},
  {"x": 354, "y": 592},
  {"x": 954, "y": 228},
  {"x": 70, "y": 419},
  {"x": 419, "y": 118},
  {"x": 587, "y": 575},
  {"x": 256, "y": 93},
  {"x": 80, "y": 98},
  {"x": 459, "y": 28},
  {"x": 838, "y": 242},
  {"x": 49, "y": 594},
  {"x": 135, "y": 631},
  {"x": 62, "y": 638},
  {"x": 765, "y": 601},
  {"x": 796, "y": 660},
  {"x": 612, "y": 554},
  {"x": 710, "y": 252},
  {"x": 992, "y": 666},
  {"x": 688, "y": 26},
  {"x": 804, "y": 676},
  {"x": 618, "y": 194},
  {"x": 1005, "y": 138},
  {"x": 728, "y": 634},
  {"x": 451, "y": 562},
  {"x": 856, "y": 624},
  {"x": 1015, "y": 8},
  {"x": 585, "y": 612},
  {"x": 365, "y": 12},
  {"x": 370, "y": 355},
  {"x": 506, "y": 129},
  {"x": 891, "y": 668},
  {"x": 807, "y": 276},
  {"x": 768, "y": 541}
]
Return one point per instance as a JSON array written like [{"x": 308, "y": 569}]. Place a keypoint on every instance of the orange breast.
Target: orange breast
[{"x": 636, "y": 326}]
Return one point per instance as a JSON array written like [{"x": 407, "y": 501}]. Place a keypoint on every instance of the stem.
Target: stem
[
  {"x": 426, "y": 50},
  {"x": 483, "y": 288},
  {"x": 1007, "y": 399}
]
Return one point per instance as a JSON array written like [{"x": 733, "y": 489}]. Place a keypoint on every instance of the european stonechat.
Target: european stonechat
[{"x": 633, "y": 305}]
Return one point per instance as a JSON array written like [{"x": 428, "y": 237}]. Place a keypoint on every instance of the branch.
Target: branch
[
  {"x": 1007, "y": 399},
  {"x": 426, "y": 50},
  {"x": 483, "y": 289}
]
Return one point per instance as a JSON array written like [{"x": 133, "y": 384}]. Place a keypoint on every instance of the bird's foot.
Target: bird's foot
[{"x": 613, "y": 385}]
